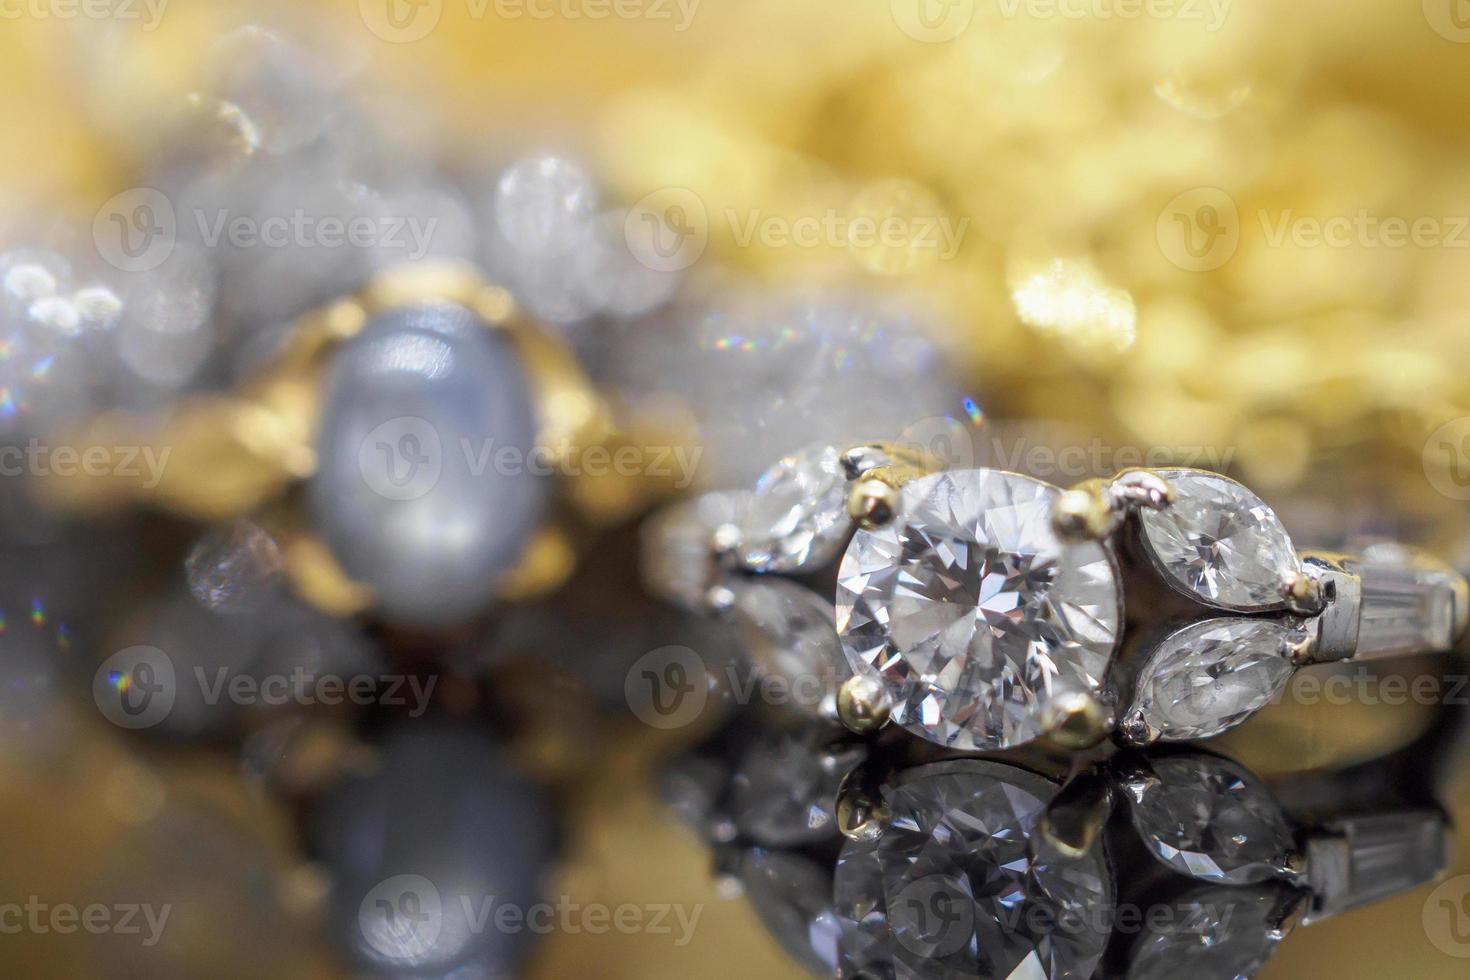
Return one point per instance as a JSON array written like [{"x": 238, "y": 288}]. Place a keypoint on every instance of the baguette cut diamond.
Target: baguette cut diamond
[
  {"x": 1219, "y": 542},
  {"x": 972, "y": 613}
]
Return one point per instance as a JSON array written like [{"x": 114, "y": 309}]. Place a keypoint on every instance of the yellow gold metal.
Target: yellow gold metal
[
  {"x": 1073, "y": 819},
  {"x": 1140, "y": 488},
  {"x": 219, "y": 457},
  {"x": 863, "y": 705},
  {"x": 1302, "y": 592},
  {"x": 1083, "y": 513},
  {"x": 888, "y": 462},
  {"x": 860, "y": 813},
  {"x": 872, "y": 503},
  {"x": 1077, "y": 721},
  {"x": 314, "y": 574},
  {"x": 547, "y": 562},
  {"x": 1134, "y": 729}
]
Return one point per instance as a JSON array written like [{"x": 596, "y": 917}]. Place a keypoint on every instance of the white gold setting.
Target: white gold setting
[{"x": 983, "y": 610}]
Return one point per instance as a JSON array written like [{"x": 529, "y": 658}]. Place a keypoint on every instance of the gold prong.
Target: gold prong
[
  {"x": 1134, "y": 729},
  {"x": 725, "y": 540},
  {"x": 893, "y": 464},
  {"x": 1302, "y": 592},
  {"x": 1083, "y": 513},
  {"x": 315, "y": 575},
  {"x": 1077, "y": 720},
  {"x": 1074, "y": 818},
  {"x": 1292, "y": 865},
  {"x": 872, "y": 503},
  {"x": 719, "y": 598},
  {"x": 1300, "y": 652},
  {"x": 863, "y": 705},
  {"x": 861, "y": 813},
  {"x": 1141, "y": 488},
  {"x": 547, "y": 561},
  {"x": 1290, "y": 915},
  {"x": 1137, "y": 781},
  {"x": 419, "y": 282}
]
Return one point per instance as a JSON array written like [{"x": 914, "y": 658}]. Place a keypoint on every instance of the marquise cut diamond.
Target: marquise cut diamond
[
  {"x": 1209, "y": 818},
  {"x": 1219, "y": 542},
  {"x": 797, "y": 516},
  {"x": 972, "y": 613},
  {"x": 1214, "y": 931},
  {"x": 1211, "y": 676}
]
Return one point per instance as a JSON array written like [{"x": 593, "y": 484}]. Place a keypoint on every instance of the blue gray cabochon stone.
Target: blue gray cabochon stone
[{"x": 418, "y": 492}]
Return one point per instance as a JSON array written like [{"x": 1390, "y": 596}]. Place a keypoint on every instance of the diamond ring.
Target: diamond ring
[{"x": 983, "y": 609}]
